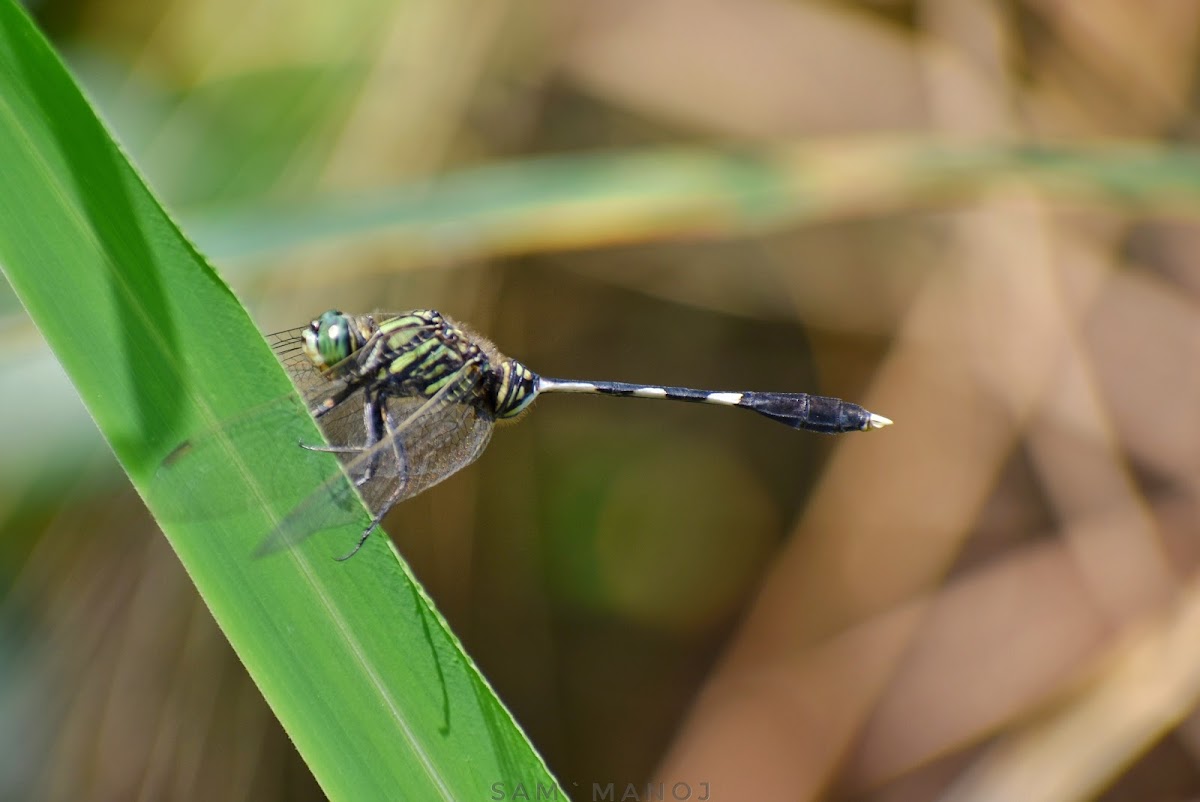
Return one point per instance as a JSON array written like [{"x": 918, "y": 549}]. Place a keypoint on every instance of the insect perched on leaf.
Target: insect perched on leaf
[{"x": 407, "y": 399}]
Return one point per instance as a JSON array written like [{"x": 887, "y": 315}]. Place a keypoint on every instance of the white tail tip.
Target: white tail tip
[{"x": 878, "y": 421}]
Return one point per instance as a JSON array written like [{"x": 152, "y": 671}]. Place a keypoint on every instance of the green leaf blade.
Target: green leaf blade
[{"x": 373, "y": 688}]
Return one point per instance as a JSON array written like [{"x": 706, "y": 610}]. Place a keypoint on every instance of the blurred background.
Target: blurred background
[{"x": 974, "y": 217}]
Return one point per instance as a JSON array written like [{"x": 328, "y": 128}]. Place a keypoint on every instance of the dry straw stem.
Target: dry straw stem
[{"x": 856, "y": 655}]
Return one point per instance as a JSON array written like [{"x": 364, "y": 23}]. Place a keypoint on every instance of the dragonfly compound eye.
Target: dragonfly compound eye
[{"x": 329, "y": 339}]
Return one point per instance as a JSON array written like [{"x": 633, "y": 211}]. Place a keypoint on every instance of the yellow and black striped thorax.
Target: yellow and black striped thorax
[{"x": 416, "y": 354}]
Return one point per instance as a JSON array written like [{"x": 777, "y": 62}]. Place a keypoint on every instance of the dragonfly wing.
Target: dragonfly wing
[
  {"x": 315, "y": 385},
  {"x": 289, "y": 350},
  {"x": 426, "y": 441},
  {"x": 437, "y": 443}
]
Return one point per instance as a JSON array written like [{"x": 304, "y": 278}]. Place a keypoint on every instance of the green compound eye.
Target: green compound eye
[{"x": 328, "y": 339}]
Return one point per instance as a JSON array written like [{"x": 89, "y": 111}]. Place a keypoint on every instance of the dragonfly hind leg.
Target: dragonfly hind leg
[
  {"x": 397, "y": 493},
  {"x": 363, "y": 538}
]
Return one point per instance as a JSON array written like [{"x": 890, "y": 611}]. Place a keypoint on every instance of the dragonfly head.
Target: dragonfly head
[{"x": 330, "y": 339}]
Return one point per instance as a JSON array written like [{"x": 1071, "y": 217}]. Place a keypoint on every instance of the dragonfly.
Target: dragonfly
[{"x": 407, "y": 399}]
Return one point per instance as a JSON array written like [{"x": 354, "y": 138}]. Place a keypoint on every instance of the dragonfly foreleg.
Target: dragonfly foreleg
[
  {"x": 324, "y": 449},
  {"x": 373, "y": 426}
]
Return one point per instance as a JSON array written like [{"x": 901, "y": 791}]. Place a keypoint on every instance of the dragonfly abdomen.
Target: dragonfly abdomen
[{"x": 513, "y": 389}]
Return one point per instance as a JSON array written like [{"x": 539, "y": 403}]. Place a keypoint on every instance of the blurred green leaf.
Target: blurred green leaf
[
  {"x": 586, "y": 200},
  {"x": 373, "y": 688}
]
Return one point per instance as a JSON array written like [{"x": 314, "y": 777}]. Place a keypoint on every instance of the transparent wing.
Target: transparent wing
[
  {"x": 426, "y": 441},
  {"x": 289, "y": 349},
  {"x": 438, "y": 442},
  {"x": 343, "y": 424},
  {"x": 315, "y": 386}
]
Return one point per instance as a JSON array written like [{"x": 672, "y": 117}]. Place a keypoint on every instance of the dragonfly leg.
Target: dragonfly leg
[
  {"x": 397, "y": 494},
  {"x": 359, "y": 481},
  {"x": 363, "y": 538},
  {"x": 324, "y": 449},
  {"x": 372, "y": 411},
  {"x": 392, "y": 500},
  {"x": 398, "y": 450}
]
